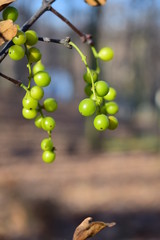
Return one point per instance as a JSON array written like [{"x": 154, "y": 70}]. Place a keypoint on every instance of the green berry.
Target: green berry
[
  {"x": 50, "y": 105},
  {"x": 37, "y": 92},
  {"x": 102, "y": 88},
  {"x": 87, "y": 76},
  {"x": 29, "y": 114},
  {"x": 113, "y": 122},
  {"x": 111, "y": 95},
  {"x": 42, "y": 79},
  {"x": 87, "y": 107},
  {"x": 34, "y": 55},
  {"x": 48, "y": 123},
  {"x": 10, "y": 13},
  {"x": 48, "y": 156},
  {"x": 47, "y": 144},
  {"x": 32, "y": 37},
  {"x": 111, "y": 108},
  {"x": 16, "y": 52},
  {"x": 38, "y": 67},
  {"x": 88, "y": 90},
  {"x": 38, "y": 121},
  {"x": 101, "y": 122},
  {"x": 106, "y": 54},
  {"x": 20, "y": 38},
  {"x": 28, "y": 102}
]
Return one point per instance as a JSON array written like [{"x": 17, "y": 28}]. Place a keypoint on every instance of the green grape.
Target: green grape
[
  {"x": 87, "y": 76},
  {"x": 111, "y": 95},
  {"x": 16, "y": 52},
  {"x": 48, "y": 156},
  {"x": 20, "y": 38},
  {"x": 113, "y": 122},
  {"x": 48, "y": 123},
  {"x": 47, "y": 144},
  {"x": 98, "y": 100},
  {"x": 37, "y": 92},
  {"x": 38, "y": 121},
  {"x": 42, "y": 79},
  {"x": 106, "y": 54},
  {"x": 101, "y": 122},
  {"x": 38, "y": 67},
  {"x": 50, "y": 105},
  {"x": 87, "y": 107},
  {"x": 102, "y": 88},
  {"x": 29, "y": 114},
  {"x": 32, "y": 37},
  {"x": 28, "y": 102},
  {"x": 88, "y": 90},
  {"x": 10, "y": 13},
  {"x": 34, "y": 55},
  {"x": 111, "y": 108}
]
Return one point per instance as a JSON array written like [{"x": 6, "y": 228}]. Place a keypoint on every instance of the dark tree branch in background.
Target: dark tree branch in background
[{"x": 17, "y": 82}]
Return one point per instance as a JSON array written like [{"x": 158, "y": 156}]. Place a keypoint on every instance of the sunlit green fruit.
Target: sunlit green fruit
[
  {"x": 111, "y": 108},
  {"x": 48, "y": 156},
  {"x": 87, "y": 107},
  {"x": 87, "y": 76},
  {"x": 113, "y": 122},
  {"x": 111, "y": 95},
  {"x": 50, "y": 104},
  {"x": 101, "y": 122},
  {"x": 38, "y": 67},
  {"x": 42, "y": 79},
  {"x": 48, "y": 123},
  {"x": 20, "y": 38},
  {"x": 32, "y": 37},
  {"x": 38, "y": 121},
  {"x": 47, "y": 144},
  {"x": 102, "y": 88},
  {"x": 106, "y": 54},
  {"x": 10, "y": 13},
  {"x": 29, "y": 114},
  {"x": 34, "y": 55},
  {"x": 28, "y": 102},
  {"x": 16, "y": 52},
  {"x": 37, "y": 92}
]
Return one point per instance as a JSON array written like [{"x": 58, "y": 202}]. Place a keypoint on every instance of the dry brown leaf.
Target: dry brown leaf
[
  {"x": 5, "y": 3},
  {"x": 95, "y": 3},
  {"x": 7, "y": 31},
  {"x": 88, "y": 229}
]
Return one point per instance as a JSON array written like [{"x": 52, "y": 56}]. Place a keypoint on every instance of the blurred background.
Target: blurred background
[{"x": 111, "y": 176}]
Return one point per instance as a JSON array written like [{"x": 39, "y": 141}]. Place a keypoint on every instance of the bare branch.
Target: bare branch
[
  {"x": 17, "y": 82},
  {"x": 64, "y": 42}
]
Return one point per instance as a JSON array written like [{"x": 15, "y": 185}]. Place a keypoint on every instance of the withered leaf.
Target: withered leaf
[
  {"x": 95, "y": 3},
  {"x": 7, "y": 31},
  {"x": 88, "y": 228},
  {"x": 5, "y": 3}
]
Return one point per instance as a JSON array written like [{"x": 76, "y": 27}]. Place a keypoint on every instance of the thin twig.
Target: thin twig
[
  {"x": 64, "y": 42},
  {"x": 17, "y": 82}
]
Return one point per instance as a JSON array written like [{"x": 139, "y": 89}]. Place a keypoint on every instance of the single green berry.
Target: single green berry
[
  {"x": 101, "y": 122},
  {"x": 111, "y": 95},
  {"x": 87, "y": 76},
  {"x": 28, "y": 102},
  {"x": 10, "y": 13},
  {"x": 16, "y": 52},
  {"x": 111, "y": 108},
  {"x": 34, "y": 55},
  {"x": 37, "y": 92},
  {"x": 48, "y": 123},
  {"x": 38, "y": 67},
  {"x": 88, "y": 89},
  {"x": 47, "y": 144},
  {"x": 48, "y": 156},
  {"x": 42, "y": 79},
  {"x": 29, "y": 114},
  {"x": 50, "y": 104},
  {"x": 102, "y": 88},
  {"x": 87, "y": 107},
  {"x": 106, "y": 54},
  {"x": 20, "y": 38},
  {"x": 113, "y": 122},
  {"x": 38, "y": 121},
  {"x": 32, "y": 37}
]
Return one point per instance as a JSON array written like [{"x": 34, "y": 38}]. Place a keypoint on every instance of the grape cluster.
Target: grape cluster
[
  {"x": 100, "y": 96},
  {"x": 33, "y": 104}
]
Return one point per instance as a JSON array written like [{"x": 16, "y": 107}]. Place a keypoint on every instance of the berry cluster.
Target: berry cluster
[
  {"x": 32, "y": 107},
  {"x": 100, "y": 96}
]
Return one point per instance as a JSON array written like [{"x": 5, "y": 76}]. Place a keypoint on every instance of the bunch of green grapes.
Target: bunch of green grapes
[
  {"x": 32, "y": 104},
  {"x": 100, "y": 96}
]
